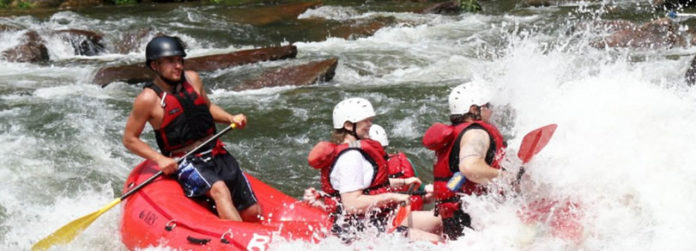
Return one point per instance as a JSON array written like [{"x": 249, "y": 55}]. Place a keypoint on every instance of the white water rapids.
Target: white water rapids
[{"x": 623, "y": 149}]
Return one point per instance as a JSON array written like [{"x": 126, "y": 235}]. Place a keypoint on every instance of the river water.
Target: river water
[{"x": 623, "y": 150}]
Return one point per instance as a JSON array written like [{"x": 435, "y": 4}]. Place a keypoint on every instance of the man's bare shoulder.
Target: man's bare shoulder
[
  {"x": 194, "y": 79},
  {"x": 475, "y": 134},
  {"x": 147, "y": 97},
  {"x": 474, "y": 143}
]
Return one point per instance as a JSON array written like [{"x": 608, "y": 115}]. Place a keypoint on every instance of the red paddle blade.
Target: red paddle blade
[
  {"x": 534, "y": 141},
  {"x": 401, "y": 215}
]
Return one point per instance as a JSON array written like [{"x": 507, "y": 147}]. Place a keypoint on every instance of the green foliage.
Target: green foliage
[
  {"x": 4, "y": 4},
  {"x": 7, "y": 4},
  {"x": 24, "y": 5},
  {"x": 470, "y": 5}
]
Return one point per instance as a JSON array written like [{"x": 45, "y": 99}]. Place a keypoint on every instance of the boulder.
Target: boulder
[
  {"x": 85, "y": 43},
  {"x": 32, "y": 50},
  {"x": 300, "y": 75},
  {"x": 137, "y": 73},
  {"x": 659, "y": 33}
]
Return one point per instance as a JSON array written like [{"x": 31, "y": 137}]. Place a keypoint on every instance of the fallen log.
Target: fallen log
[
  {"x": 300, "y": 75},
  {"x": 137, "y": 73}
]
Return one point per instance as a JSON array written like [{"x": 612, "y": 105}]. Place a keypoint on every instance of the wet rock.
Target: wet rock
[
  {"x": 617, "y": 25},
  {"x": 7, "y": 27},
  {"x": 290, "y": 11},
  {"x": 360, "y": 28},
  {"x": 75, "y": 4},
  {"x": 659, "y": 33},
  {"x": 272, "y": 14},
  {"x": 214, "y": 62},
  {"x": 690, "y": 75},
  {"x": 32, "y": 49},
  {"x": 137, "y": 73},
  {"x": 300, "y": 75},
  {"x": 86, "y": 43},
  {"x": 451, "y": 7}
]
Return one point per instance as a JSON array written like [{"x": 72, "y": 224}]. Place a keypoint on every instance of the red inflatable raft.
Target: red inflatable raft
[{"x": 160, "y": 215}]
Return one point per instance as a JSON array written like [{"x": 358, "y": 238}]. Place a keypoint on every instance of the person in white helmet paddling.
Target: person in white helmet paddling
[
  {"x": 354, "y": 174},
  {"x": 471, "y": 146}
]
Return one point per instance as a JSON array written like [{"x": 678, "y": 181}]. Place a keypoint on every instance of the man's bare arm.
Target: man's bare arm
[{"x": 472, "y": 157}]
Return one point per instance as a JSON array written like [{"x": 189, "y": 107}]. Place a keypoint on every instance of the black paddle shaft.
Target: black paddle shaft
[{"x": 215, "y": 137}]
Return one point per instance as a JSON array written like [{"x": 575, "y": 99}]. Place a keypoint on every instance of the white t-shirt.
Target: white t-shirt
[{"x": 352, "y": 172}]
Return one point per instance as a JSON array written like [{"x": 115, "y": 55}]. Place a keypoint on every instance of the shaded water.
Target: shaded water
[{"x": 623, "y": 149}]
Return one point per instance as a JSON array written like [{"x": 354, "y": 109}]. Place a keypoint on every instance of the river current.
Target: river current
[{"x": 624, "y": 147}]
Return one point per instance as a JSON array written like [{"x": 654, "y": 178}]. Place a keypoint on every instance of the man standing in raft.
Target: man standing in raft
[
  {"x": 472, "y": 146},
  {"x": 175, "y": 104}
]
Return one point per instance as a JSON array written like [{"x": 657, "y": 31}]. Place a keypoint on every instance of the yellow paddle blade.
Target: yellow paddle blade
[{"x": 68, "y": 232}]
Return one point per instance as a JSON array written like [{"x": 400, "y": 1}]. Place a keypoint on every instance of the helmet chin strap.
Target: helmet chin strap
[{"x": 353, "y": 132}]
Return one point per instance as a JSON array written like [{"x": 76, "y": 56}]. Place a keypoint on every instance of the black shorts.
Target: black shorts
[
  {"x": 199, "y": 172},
  {"x": 453, "y": 227}
]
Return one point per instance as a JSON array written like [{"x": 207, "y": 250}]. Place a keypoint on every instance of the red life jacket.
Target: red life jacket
[
  {"x": 187, "y": 118},
  {"x": 445, "y": 141},
  {"x": 400, "y": 167},
  {"x": 324, "y": 155}
]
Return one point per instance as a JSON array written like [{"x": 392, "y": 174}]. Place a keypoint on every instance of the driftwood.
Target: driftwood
[{"x": 137, "y": 73}]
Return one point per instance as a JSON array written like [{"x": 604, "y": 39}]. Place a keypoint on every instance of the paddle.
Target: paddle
[
  {"x": 531, "y": 144},
  {"x": 401, "y": 213},
  {"x": 68, "y": 232}
]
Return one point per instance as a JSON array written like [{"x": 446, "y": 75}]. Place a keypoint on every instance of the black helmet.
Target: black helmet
[{"x": 163, "y": 46}]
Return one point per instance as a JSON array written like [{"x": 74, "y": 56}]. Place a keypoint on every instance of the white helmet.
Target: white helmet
[
  {"x": 463, "y": 96},
  {"x": 377, "y": 133},
  {"x": 352, "y": 110}
]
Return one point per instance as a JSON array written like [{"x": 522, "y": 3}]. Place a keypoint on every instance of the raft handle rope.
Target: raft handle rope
[{"x": 170, "y": 225}]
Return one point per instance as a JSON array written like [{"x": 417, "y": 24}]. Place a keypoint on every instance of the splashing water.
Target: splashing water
[{"x": 622, "y": 150}]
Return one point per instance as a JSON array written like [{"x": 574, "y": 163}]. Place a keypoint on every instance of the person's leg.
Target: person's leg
[
  {"x": 420, "y": 235},
  {"x": 244, "y": 198},
  {"x": 251, "y": 214},
  {"x": 223, "y": 201},
  {"x": 425, "y": 221},
  {"x": 238, "y": 188}
]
